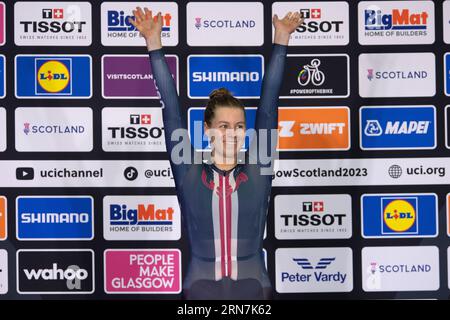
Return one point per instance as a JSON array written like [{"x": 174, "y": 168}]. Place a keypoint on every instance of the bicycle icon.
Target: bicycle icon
[{"x": 311, "y": 73}]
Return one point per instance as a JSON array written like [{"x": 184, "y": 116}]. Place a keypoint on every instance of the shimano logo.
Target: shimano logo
[
  {"x": 60, "y": 218},
  {"x": 223, "y": 76},
  {"x": 55, "y": 273}
]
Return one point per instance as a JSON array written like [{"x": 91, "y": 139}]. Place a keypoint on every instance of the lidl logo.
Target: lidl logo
[
  {"x": 399, "y": 215},
  {"x": 53, "y": 76}
]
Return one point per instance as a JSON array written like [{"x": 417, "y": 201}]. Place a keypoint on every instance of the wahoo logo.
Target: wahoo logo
[
  {"x": 54, "y": 217},
  {"x": 55, "y": 271},
  {"x": 306, "y": 264},
  {"x": 143, "y": 214},
  {"x": 241, "y": 74},
  {"x": 317, "y": 270},
  {"x": 396, "y": 19},
  {"x": 399, "y": 215},
  {"x": 398, "y": 127}
]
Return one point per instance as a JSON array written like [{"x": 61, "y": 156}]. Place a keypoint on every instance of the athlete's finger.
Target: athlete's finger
[
  {"x": 131, "y": 20},
  {"x": 148, "y": 13}
]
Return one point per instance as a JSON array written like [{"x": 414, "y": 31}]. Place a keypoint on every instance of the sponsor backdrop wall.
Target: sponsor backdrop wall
[{"x": 360, "y": 200}]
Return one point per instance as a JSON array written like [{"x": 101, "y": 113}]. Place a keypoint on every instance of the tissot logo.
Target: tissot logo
[
  {"x": 324, "y": 216},
  {"x": 53, "y": 23},
  {"x": 55, "y": 271}
]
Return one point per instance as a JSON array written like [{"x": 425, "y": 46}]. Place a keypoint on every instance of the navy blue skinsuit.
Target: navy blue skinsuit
[{"x": 224, "y": 211}]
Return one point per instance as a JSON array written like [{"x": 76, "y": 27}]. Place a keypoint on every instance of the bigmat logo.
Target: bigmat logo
[
  {"x": 54, "y": 129},
  {"x": 397, "y": 127},
  {"x": 141, "y": 218},
  {"x": 399, "y": 215},
  {"x": 56, "y": 76},
  {"x": 132, "y": 129},
  {"x": 116, "y": 30},
  {"x": 313, "y": 128},
  {"x": 397, "y": 74},
  {"x": 241, "y": 74},
  {"x": 396, "y": 22},
  {"x": 318, "y": 216},
  {"x": 48, "y": 271},
  {"x": 142, "y": 271},
  {"x": 316, "y": 76},
  {"x": 55, "y": 218},
  {"x": 131, "y": 76},
  {"x": 2, "y": 23},
  {"x": 314, "y": 270},
  {"x": 2, "y": 76},
  {"x": 225, "y": 23},
  {"x": 400, "y": 268},
  {"x": 52, "y": 23},
  {"x": 3, "y": 271},
  {"x": 3, "y": 130},
  {"x": 3, "y": 218},
  {"x": 325, "y": 23}
]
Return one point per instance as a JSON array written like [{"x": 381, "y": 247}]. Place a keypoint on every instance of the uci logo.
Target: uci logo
[
  {"x": 53, "y": 76},
  {"x": 399, "y": 215}
]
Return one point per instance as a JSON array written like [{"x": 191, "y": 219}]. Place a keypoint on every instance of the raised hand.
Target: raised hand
[
  {"x": 149, "y": 26},
  {"x": 284, "y": 27}
]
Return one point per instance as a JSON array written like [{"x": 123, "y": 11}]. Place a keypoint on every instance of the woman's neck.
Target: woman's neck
[{"x": 219, "y": 162}]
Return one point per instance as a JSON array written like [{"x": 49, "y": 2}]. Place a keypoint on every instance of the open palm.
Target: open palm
[
  {"x": 289, "y": 23},
  {"x": 150, "y": 27}
]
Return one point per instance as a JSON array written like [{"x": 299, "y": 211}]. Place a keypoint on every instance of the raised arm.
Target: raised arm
[
  {"x": 267, "y": 113},
  {"x": 150, "y": 27}
]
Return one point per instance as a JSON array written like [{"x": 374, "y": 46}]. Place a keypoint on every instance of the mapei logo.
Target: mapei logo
[
  {"x": 397, "y": 127},
  {"x": 403, "y": 215},
  {"x": 54, "y": 218},
  {"x": 48, "y": 271},
  {"x": 53, "y": 76}
]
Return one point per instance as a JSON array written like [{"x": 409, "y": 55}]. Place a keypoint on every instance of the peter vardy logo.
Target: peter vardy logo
[
  {"x": 402, "y": 215},
  {"x": 54, "y": 218},
  {"x": 241, "y": 74},
  {"x": 53, "y": 76},
  {"x": 314, "y": 270},
  {"x": 68, "y": 271},
  {"x": 397, "y": 127}
]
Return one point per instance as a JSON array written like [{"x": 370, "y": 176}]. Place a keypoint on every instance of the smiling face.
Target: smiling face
[{"x": 227, "y": 133}]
